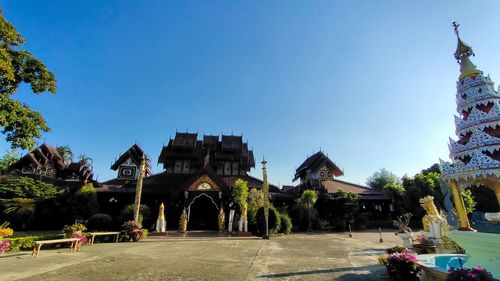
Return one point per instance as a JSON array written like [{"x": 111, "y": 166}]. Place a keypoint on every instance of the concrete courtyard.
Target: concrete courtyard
[{"x": 305, "y": 256}]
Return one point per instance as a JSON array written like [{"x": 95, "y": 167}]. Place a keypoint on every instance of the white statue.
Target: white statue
[{"x": 161, "y": 223}]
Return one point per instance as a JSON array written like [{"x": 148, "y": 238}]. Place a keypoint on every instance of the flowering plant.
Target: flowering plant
[
  {"x": 4, "y": 245},
  {"x": 74, "y": 228},
  {"x": 469, "y": 274},
  {"x": 132, "y": 231},
  {"x": 5, "y": 231},
  {"x": 83, "y": 238},
  {"x": 403, "y": 266}
]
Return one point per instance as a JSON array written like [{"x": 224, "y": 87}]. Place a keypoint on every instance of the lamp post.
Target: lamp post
[
  {"x": 138, "y": 189},
  {"x": 265, "y": 189}
]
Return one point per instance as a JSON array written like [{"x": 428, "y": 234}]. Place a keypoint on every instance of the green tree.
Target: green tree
[
  {"x": 469, "y": 202},
  {"x": 21, "y": 196},
  {"x": 66, "y": 153},
  {"x": 255, "y": 202},
  {"x": 9, "y": 158},
  {"x": 83, "y": 203},
  {"x": 20, "y": 123},
  {"x": 307, "y": 201},
  {"x": 419, "y": 186},
  {"x": 382, "y": 179},
  {"x": 239, "y": 194},
  {"x": 337, "y": 207},
  {"x": 26, "y": 187}
]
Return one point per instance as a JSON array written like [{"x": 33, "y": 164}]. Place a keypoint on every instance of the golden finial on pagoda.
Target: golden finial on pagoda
[
  {"x": 462, "y": 54},
  {"x": 462, "y": 48}
]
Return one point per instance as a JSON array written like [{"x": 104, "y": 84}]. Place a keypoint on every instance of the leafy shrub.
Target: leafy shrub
[
  {"x": 255, "y": 201},
  {"x": 74, "y": 228},
  {"x": 127, "y": 214},
  {"x": 274, "y": 221},
  {"x": 100, "y": 222},
  {"x": 27, "y": 242},
  {"x": 286, "y": 223},
  {"x": 339, "y": 225},
  {"x": 395, "y": 249},
  {"x": 83, "y": 203}
]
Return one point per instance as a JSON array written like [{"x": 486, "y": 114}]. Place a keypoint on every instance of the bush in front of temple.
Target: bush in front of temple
[
  {"x": 127, "y": 214},
  {"x": 100, "y": 222},
  {"x": 274, "y": 221},
  {"x": 286, "y": 223}
]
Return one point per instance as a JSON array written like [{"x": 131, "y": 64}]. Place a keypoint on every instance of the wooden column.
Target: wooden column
[{"x": 460, "y": 207}]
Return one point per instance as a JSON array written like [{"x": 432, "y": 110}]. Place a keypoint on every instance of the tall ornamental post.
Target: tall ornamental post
[
  {"x": 265, "y": 189},
  {"x": 138, "y": 189}
]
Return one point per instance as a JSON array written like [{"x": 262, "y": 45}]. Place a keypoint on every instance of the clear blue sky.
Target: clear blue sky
[{"x": 372, "y": 83}]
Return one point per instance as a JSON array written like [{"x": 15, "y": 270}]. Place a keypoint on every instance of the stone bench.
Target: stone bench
[
  {"x": 38, "y": 244},
  {"x": 92, "y": 235}
]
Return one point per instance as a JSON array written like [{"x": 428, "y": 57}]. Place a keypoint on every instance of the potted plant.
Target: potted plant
[
  {"x": 402, "y": 266},
  {"x": 4, "y": 232},
  {"x": 404, "y": 232},
  {"x": 469, "y": 274},
  {"x": 132, "y": 231},
  {"x": 424, "y": 245},
  {"x": 76, "y": 230}
]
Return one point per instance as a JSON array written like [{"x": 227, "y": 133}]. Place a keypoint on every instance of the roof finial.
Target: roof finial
[
  {"x": 463, "y": 50},
  {"x": 455, "y": 26}
]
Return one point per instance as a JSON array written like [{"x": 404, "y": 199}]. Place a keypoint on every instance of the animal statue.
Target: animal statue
[
  {"x": 222, "y": 219},
  {"x": 427, "y": 203}
]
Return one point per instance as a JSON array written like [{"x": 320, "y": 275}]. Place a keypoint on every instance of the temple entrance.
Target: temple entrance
[{"x": 202, "y": 213}]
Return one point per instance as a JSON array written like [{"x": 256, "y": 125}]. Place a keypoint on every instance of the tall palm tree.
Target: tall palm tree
[
  {"x": 66, "y": 153},
  {"x": 307, "y": 201},
  {"x": 85, "y": 160}
]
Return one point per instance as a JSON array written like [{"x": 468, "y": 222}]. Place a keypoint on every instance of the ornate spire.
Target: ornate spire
[
  {"x": 462, "y": 54},
  {"x": 462, "y": 48}
]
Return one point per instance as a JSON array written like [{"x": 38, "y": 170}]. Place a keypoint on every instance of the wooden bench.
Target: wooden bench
[
  {"x": 72, "y": 248},
  {"x": 92, "y": 235}
]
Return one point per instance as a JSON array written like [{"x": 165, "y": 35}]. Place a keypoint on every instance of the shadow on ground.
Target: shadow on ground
[
  {"x": 374, "y": 271},
  {"x": 14, "y": 255}
]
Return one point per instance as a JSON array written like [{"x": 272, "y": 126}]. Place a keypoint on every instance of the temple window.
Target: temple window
[
  {"x": 186, "y": 169},
  {"x": 227, "y": 168},
  {"x": 178, "y": 167},
  {"x": 235, "y": 168}
]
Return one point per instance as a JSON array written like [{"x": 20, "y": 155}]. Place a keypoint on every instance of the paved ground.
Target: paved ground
[{"x": 306, "y": 256}]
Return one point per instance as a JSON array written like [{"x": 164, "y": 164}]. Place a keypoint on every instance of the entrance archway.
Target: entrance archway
[{"x": 202, "y": 213}]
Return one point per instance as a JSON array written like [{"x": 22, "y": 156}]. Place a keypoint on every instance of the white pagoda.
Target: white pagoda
[{"x": 476, "y": 154}]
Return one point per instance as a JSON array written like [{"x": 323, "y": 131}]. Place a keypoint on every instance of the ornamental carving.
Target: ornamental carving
[{"x": 204, "y": 183}]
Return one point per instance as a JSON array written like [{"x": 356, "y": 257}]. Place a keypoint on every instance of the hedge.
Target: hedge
[{"x": 27, "y": 242}]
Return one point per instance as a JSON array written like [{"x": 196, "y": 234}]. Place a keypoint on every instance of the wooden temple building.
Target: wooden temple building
[
  {"x": 197, "y": 176},
  {"x": 319, "y": 172},
  {"x": 46, "y": 164}
]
